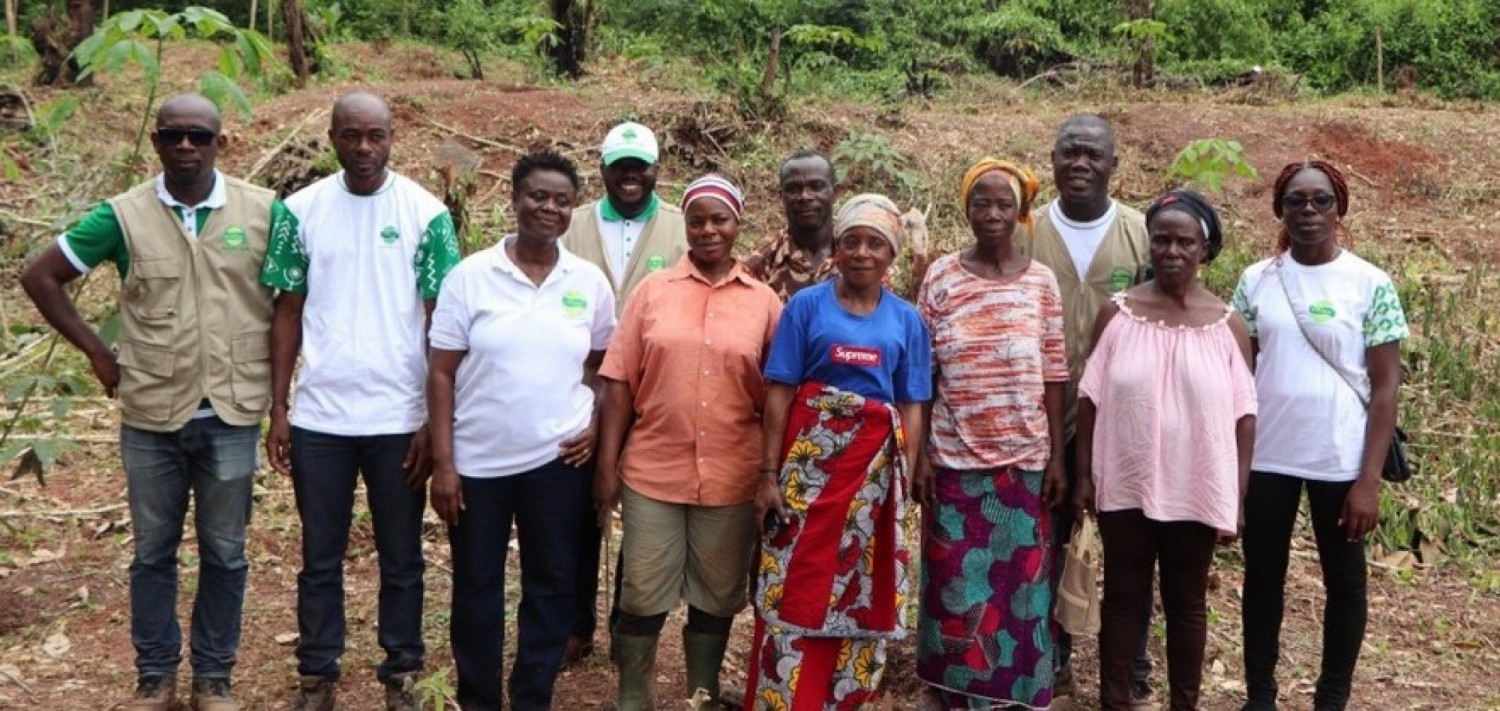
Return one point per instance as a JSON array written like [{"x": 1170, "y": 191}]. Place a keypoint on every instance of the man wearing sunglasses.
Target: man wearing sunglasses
[
  {"x": 357, "y": 280},
  {"x": 192, "y": 372}
]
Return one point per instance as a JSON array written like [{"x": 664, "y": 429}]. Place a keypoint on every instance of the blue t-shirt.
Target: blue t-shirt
[{"x": 886, "y": 356}]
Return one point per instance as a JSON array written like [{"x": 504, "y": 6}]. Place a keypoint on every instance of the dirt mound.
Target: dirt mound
[{"x": 1394, "y": 167}]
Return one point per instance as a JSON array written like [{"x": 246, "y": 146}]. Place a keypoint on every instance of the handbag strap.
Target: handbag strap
[{"x": 1297, "y": 315}]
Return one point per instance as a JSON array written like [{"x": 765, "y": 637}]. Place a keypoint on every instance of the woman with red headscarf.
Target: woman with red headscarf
[{"x": 1326, "y": 328}]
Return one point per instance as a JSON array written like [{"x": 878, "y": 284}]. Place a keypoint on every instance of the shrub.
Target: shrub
[{"x": 1228, "y": 29}]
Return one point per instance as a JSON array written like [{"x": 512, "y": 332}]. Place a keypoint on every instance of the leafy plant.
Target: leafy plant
[
  {"x": 325, "y": 20},
  {"x": 1226, "y": 29},
  {"x": 467, "y": 26},
  {"x": 436, "y": 690},
  {"x": 1206, "y": 162},
  {"x": 25, "y": 437},
  {"x": 1140, "y": 38},
  {"x": 1014, "y": 41},
  {"x": 51, "y": 117},
  {"x": 137, "y": 37},
  {"x": 15, "y": 51},
  {"x": 475, "y": 29},
  {"x": 870, "y": 161}
]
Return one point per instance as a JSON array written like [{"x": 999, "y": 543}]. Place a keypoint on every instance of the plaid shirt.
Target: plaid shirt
[{"x": 785, "y": 268}]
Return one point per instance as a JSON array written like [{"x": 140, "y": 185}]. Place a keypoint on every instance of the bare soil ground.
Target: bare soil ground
[{"x": 1423, "y": 176}]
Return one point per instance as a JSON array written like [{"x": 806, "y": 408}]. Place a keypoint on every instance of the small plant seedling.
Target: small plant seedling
[{"x": 1205, "y": 164}]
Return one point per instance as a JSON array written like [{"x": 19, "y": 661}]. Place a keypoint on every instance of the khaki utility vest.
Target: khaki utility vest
[
  {"x": 663, "y": 242},
  {"x": 1122, "y": 261},
  {"x": 195, "y": 321}
]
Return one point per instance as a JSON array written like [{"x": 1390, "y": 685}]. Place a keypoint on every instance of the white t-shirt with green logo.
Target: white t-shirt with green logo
[
  {"x": 1311, "y": 424},
  {"x": 519, "y": 388},
  {"x": 366, "y": 263}
]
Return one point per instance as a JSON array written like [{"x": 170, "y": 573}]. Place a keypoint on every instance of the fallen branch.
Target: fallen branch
[
  {"x": 17, "y": 681},
  {"x": 1053, "y": 73},
  {"x": 266, "y": 159},
  {"x": 12, "y": 366},
  {"x": 63, "y": 513},
  {"x": 476, "y": 139},
  {"x": 1356, "y": 174},
  {"x": 7, "y": 214}
]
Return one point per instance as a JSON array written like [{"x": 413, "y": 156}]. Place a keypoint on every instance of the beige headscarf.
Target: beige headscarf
[{"x": 876, "y": 212}]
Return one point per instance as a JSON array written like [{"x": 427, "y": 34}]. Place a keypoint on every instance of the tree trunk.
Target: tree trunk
[
  {"x": 1144, "y": 71},
  {"x": 81, "y": 19},
  {"x": 10, "y": 17},
  {"x": 768, "y": 77},
  {"x": 253, "y": 8},
  {"x": 576, "y": 18},
  {"x": 270, "y": 20},
  {"x": 291, "y": 11},
  {"x": 54, "y": 38}
]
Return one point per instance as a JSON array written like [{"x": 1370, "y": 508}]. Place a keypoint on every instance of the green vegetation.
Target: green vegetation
[
  {"x": 1450, "y": 47},
  {"x": 762, "y": 58},
  {"x": 1206, "y": 162},
  {"x": 138, "y": 37}
]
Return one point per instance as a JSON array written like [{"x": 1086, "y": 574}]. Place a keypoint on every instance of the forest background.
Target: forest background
[{"x": 904, "y": 94}]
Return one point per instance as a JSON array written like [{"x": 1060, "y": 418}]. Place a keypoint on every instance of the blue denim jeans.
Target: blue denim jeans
[
  {"x": 545, "y": 504},
  {"x": 214, "y": 463},
  {"x": 325, "y": 469}
]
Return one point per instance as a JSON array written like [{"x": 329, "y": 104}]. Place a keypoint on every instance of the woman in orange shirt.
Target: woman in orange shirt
[{"x": 685, "y": 363}]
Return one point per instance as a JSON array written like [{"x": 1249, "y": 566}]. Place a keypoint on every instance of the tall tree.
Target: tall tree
[
  {"x": 296, "y": 46},
  {"x": 1144, "y": 70},
  {"x": 575, "y": 19}
]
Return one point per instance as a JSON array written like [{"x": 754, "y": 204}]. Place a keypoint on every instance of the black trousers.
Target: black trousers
[
  {"x": 543, "y": 504},
  {"x": 325, "y": 469},
  {"x": 1133, "y": 547},
  {"x": 1062, "y": 530},
  {"x": 1270, "y": 513}
]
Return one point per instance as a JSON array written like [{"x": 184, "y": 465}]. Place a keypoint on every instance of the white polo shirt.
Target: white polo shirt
[
  {"x": 520, "y": 390},
  {"x": 366, "y": 263}
]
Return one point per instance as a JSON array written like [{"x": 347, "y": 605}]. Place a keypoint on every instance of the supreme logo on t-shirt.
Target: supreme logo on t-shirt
[{"x": 855, "y": 355}]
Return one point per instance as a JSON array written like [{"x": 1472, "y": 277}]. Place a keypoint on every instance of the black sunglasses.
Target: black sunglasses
[
  {"x": 199, "y": 137},
  {"x": 1295, "y": 203}
]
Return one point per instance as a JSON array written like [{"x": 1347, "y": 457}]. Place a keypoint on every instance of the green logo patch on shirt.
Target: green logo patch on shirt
[
  {"x": 234, "y": 239},
  {"x": 656, "y": 262},
  {"x": 1322, "y": 311},
  {"x": 1119, "y": 279},
  {"x": 573, "y": 303},
  {"x": 389, "y": 236}
]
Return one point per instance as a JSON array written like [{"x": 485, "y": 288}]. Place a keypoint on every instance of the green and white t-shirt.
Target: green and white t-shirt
[
  {"x": 366, "y": 263},
  {"x": 1311, "y": 424}
]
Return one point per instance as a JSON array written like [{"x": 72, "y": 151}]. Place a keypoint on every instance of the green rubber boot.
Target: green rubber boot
[
  {"x": 704, "y": 653},
  {"x": 636, "y": 661}
]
